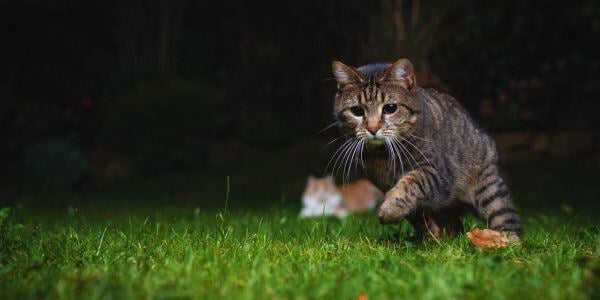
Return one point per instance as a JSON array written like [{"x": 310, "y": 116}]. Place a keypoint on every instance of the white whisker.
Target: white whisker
[
  {"x": 392, "y": 159},
  {"x": 406, "y": 151},
  {"x": 351, "y": 158},
  {"x": 336, "y": 139},
  {"x": 360, "y": 155},
  {"x": 362, "y": 148},
  {"x": 399, "y": 155},
  {"x": 400, "y": 158},
  {"x": 389, "y": 155},
  {"x": 328, "y": 126},
  {"x": 355, "y": 156},
  {"x": 343, "y": 156},
  {"x": 420, "y": 138},
  {"x": 342, "y": 165},
  {"x": 421, "y": 152},
  {"x": 335, "y": 154}
]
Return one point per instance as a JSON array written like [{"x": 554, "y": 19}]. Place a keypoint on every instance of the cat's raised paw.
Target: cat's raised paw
[{"x": 391, "y": 213}]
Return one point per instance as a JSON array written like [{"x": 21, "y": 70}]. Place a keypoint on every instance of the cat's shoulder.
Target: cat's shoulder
[{"x": 440, "y": 98}]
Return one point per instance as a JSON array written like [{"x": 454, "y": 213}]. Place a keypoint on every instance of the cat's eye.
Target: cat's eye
[
  {"x": 357, "y": 111},
  {"x": 389, "y": 108}
]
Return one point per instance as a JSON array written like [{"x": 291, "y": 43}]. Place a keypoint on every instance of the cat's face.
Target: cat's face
[
  {"x": 322, "y": 191},
  {"x": 376, "y": 103}
]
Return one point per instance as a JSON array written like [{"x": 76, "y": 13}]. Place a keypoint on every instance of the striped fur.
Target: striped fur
[{"x": 429, "y": 156}]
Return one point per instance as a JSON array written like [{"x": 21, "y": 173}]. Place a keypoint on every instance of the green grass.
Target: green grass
[
  {"x": 170, "y": 237},
  {"x": 180, "y": 253}
]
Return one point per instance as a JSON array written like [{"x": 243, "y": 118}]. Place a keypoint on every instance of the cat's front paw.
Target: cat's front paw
[{"x": 391, "y": 212}]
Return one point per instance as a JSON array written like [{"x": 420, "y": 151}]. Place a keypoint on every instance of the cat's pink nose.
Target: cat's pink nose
[{"x": 373, "y": 129}]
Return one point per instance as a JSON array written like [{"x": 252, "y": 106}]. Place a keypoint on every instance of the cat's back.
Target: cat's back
[
  {"x": 442, "y": 105},
  {"x": 449, "y": 117},
  {"x": 467, "y": 148},
  {"x": 360, "y": 195}
]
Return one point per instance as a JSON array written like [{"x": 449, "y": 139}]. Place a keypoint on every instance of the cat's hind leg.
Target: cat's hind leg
[
  {"x": 449, "y": 218},
  {"x": 424, "y": 224}
]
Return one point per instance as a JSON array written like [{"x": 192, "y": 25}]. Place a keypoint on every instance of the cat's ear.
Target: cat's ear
[
  {"x": 346, "y": 75},
  {"x": 401, "y": 72},
  {"x": 329, "y": 177},
  {"x": 310, "y": 179}
]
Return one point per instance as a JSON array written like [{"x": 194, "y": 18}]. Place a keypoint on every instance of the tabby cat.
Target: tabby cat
[
  {"x": 422, "y": 149},
  {"x": 323, "y": 197}
]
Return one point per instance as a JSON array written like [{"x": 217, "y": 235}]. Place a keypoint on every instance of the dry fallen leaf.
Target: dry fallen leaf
[{"x": 487, "y": 238}]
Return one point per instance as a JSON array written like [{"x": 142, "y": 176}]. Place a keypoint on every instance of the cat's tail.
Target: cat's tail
[{"x": 495, "y": 205}]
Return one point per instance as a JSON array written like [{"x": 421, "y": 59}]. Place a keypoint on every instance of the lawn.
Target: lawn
[{"x": 171, "y": 246}]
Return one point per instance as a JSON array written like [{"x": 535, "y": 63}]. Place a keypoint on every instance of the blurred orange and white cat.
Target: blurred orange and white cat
[{"x": 323, "y": 197}]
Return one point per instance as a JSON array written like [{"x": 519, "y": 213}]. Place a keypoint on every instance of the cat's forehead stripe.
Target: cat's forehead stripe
[
  {"x": 371, "y": 94},
  {"x": 362, "y": 98},
  {"x": 379, "y": 96}
]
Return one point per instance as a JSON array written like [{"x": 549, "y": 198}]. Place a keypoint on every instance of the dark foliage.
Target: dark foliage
[
  {"x": 53, "y": 164},
  {"x": 161, "y": 83}
]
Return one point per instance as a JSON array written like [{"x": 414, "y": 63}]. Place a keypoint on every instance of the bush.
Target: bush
[
  {"x": 161, "y": 125},
  {"x": 55, "y": 164}
]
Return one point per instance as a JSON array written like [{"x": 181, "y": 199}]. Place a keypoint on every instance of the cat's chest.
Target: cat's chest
[{"x": 381, "y": 173}]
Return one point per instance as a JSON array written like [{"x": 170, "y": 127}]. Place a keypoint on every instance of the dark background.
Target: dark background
[{"x": 100, "y": 94}]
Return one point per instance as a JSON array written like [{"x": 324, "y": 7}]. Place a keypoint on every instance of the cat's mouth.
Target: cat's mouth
[{"x": 375, "y": 141}]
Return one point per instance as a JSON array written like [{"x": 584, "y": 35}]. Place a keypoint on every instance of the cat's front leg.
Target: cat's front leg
[
  {"x": 406, "y": 196},
  {"x": 397, "y": 204}
]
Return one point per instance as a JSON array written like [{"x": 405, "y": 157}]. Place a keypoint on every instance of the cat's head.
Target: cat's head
[
  {"x": 377, "y": 101},
  {"x": 321, "y": 191}
]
